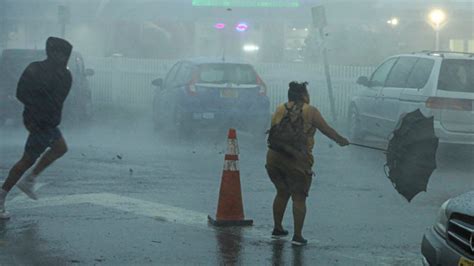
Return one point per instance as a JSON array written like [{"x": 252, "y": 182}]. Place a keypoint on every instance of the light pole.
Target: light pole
[
  {"x": 437, "y": 19},
  {"x": 64, "y": 15},
  {"x": 3, "y": 25}
]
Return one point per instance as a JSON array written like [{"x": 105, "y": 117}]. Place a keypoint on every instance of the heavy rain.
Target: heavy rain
[{"x": 237, "y": 132}]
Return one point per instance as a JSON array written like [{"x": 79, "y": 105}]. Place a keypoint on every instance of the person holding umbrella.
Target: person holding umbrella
[{"x": 289, "y": 158}]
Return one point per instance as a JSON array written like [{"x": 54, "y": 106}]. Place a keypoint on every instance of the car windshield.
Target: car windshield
[
  {"x": 227, "y": 73},
  {"x": 457, "y": 75}
]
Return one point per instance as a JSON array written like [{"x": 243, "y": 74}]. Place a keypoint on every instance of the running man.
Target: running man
[{"x": 42, "y": 88}]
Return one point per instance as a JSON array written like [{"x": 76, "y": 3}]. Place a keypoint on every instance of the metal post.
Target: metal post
[
  {"x": 437, "y": 39},
  {"x": 3, "y": 26},
  {"x": 63, "y": 18},
  {"x": 63, "y": 30},
  {"x": 328, "y": 75}
]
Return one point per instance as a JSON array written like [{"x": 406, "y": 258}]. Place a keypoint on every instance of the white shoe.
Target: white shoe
[
  {"x": 4, "y": 215},
  {"x": 27, "y": 186}
]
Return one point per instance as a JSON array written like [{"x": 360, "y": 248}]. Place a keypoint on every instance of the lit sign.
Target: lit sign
[
  {"x": 219, "y": 26},
  {"x": 241, "y": 27},
  {"x": 246, "y": 3},
  {"x": 250, "y": 48}
]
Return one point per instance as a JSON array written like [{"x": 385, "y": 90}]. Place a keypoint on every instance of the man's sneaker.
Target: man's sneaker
[
  {"x": 279, "y": 233},
  {"x": 299, "y": 241},
  {"x": 28, "y": 187},
  {"x": 3, "y": 213}
]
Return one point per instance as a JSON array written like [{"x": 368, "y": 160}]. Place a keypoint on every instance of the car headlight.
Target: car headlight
[{"x": 442, "y": 220}]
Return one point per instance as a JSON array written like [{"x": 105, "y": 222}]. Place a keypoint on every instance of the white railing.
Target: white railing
[{"x": 127, "y": 82}]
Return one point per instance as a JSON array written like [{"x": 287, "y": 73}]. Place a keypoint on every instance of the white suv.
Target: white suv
[{"x": 440, "y": 84}]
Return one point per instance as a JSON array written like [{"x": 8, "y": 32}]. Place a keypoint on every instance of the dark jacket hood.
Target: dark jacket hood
[{"x": 58, "y": 51}]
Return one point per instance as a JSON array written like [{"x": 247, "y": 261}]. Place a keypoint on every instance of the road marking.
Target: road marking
[
  {"x": 167, "y": 213},
  {"x": 131, "y": 205},
  {"x": 157, "y": 211}
]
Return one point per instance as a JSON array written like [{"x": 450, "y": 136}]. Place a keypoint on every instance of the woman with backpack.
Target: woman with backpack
[{"x": 289, "y": 158}]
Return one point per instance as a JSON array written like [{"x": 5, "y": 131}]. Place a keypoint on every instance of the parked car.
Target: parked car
[
  {"x": 78, "y": 105},
  {"x": 203, "y": 93},
  {"x": 451, "y": 240},
  {"x": 440, "y": 84}
]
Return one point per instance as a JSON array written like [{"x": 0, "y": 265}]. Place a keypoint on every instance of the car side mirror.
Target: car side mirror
[
  {"x": 364, "y": 81},
  {"x": 89, "y": 72},
  {"x": 157, "y": 82}
]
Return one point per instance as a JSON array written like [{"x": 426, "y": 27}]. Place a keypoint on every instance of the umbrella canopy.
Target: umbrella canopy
[{"x": 411, "y": 154}]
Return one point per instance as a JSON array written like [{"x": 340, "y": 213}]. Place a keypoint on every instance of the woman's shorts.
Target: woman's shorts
[{"x": 292, "y": 176}]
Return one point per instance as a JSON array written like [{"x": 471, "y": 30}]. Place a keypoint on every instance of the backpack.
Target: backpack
[{"x": 288, "y": 136}]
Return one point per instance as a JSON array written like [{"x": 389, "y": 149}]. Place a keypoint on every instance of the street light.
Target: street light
[
  {"x": 437, "y": 19},
  {"x": 393, "y": 22},
  {"x": 250, "y": 48}
]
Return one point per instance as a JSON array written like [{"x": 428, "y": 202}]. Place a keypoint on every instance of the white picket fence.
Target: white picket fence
[{"x": 126, "y": 82}]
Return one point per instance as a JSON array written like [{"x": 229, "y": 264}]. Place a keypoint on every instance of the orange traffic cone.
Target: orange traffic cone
[{"x": 230, "y": 210}]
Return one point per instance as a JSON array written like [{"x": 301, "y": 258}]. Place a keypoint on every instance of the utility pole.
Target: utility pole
[
  {"x": 64, "y": 16},
  {"x": 437, "y": 19},
  {"x": 3, "y": 25},
  {"x": 437, "y": 38},
  {"x": 319, "y": 22}
]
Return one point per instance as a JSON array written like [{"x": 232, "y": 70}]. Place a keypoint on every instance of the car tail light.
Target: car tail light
[
  {"x": 263, "y": 87},
  {"x": 192, "y": 85},
  {"x": 192, "y": 89},
  {"x": 449, "y": 104}
]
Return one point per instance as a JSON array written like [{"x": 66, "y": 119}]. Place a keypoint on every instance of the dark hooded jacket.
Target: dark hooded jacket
[{"x": 44, "y": 86}]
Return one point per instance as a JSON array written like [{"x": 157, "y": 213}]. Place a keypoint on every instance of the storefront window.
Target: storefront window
[
  {"x": 456, "y": 45},
  {"x": 470, "y": 46}
]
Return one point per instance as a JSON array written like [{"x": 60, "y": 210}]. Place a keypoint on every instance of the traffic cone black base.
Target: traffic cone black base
[{"x": 230, "y": 222}]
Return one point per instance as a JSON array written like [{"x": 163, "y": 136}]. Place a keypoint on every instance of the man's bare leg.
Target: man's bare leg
[
  {"x": 17, "y": 171},
  {"x": 57, "y": 150},
  {"x": 14, "y": 175}
]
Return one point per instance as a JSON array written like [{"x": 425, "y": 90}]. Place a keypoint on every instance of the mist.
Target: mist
[{"x": 160, "y": 87}]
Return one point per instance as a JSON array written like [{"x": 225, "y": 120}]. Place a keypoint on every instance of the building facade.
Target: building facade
[{"x": 269, "y": 31}]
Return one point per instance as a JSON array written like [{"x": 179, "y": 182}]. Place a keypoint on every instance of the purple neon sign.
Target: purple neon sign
[
  {"x": 219, "y": 26},
  {"x": 241, "y": 27}
]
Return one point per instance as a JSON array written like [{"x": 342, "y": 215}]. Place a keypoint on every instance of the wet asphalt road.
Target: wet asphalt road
[{"x": 125, "y": 196}]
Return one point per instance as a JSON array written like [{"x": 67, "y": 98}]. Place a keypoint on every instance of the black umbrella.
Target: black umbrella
[{"x": 411, "y": 154}]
